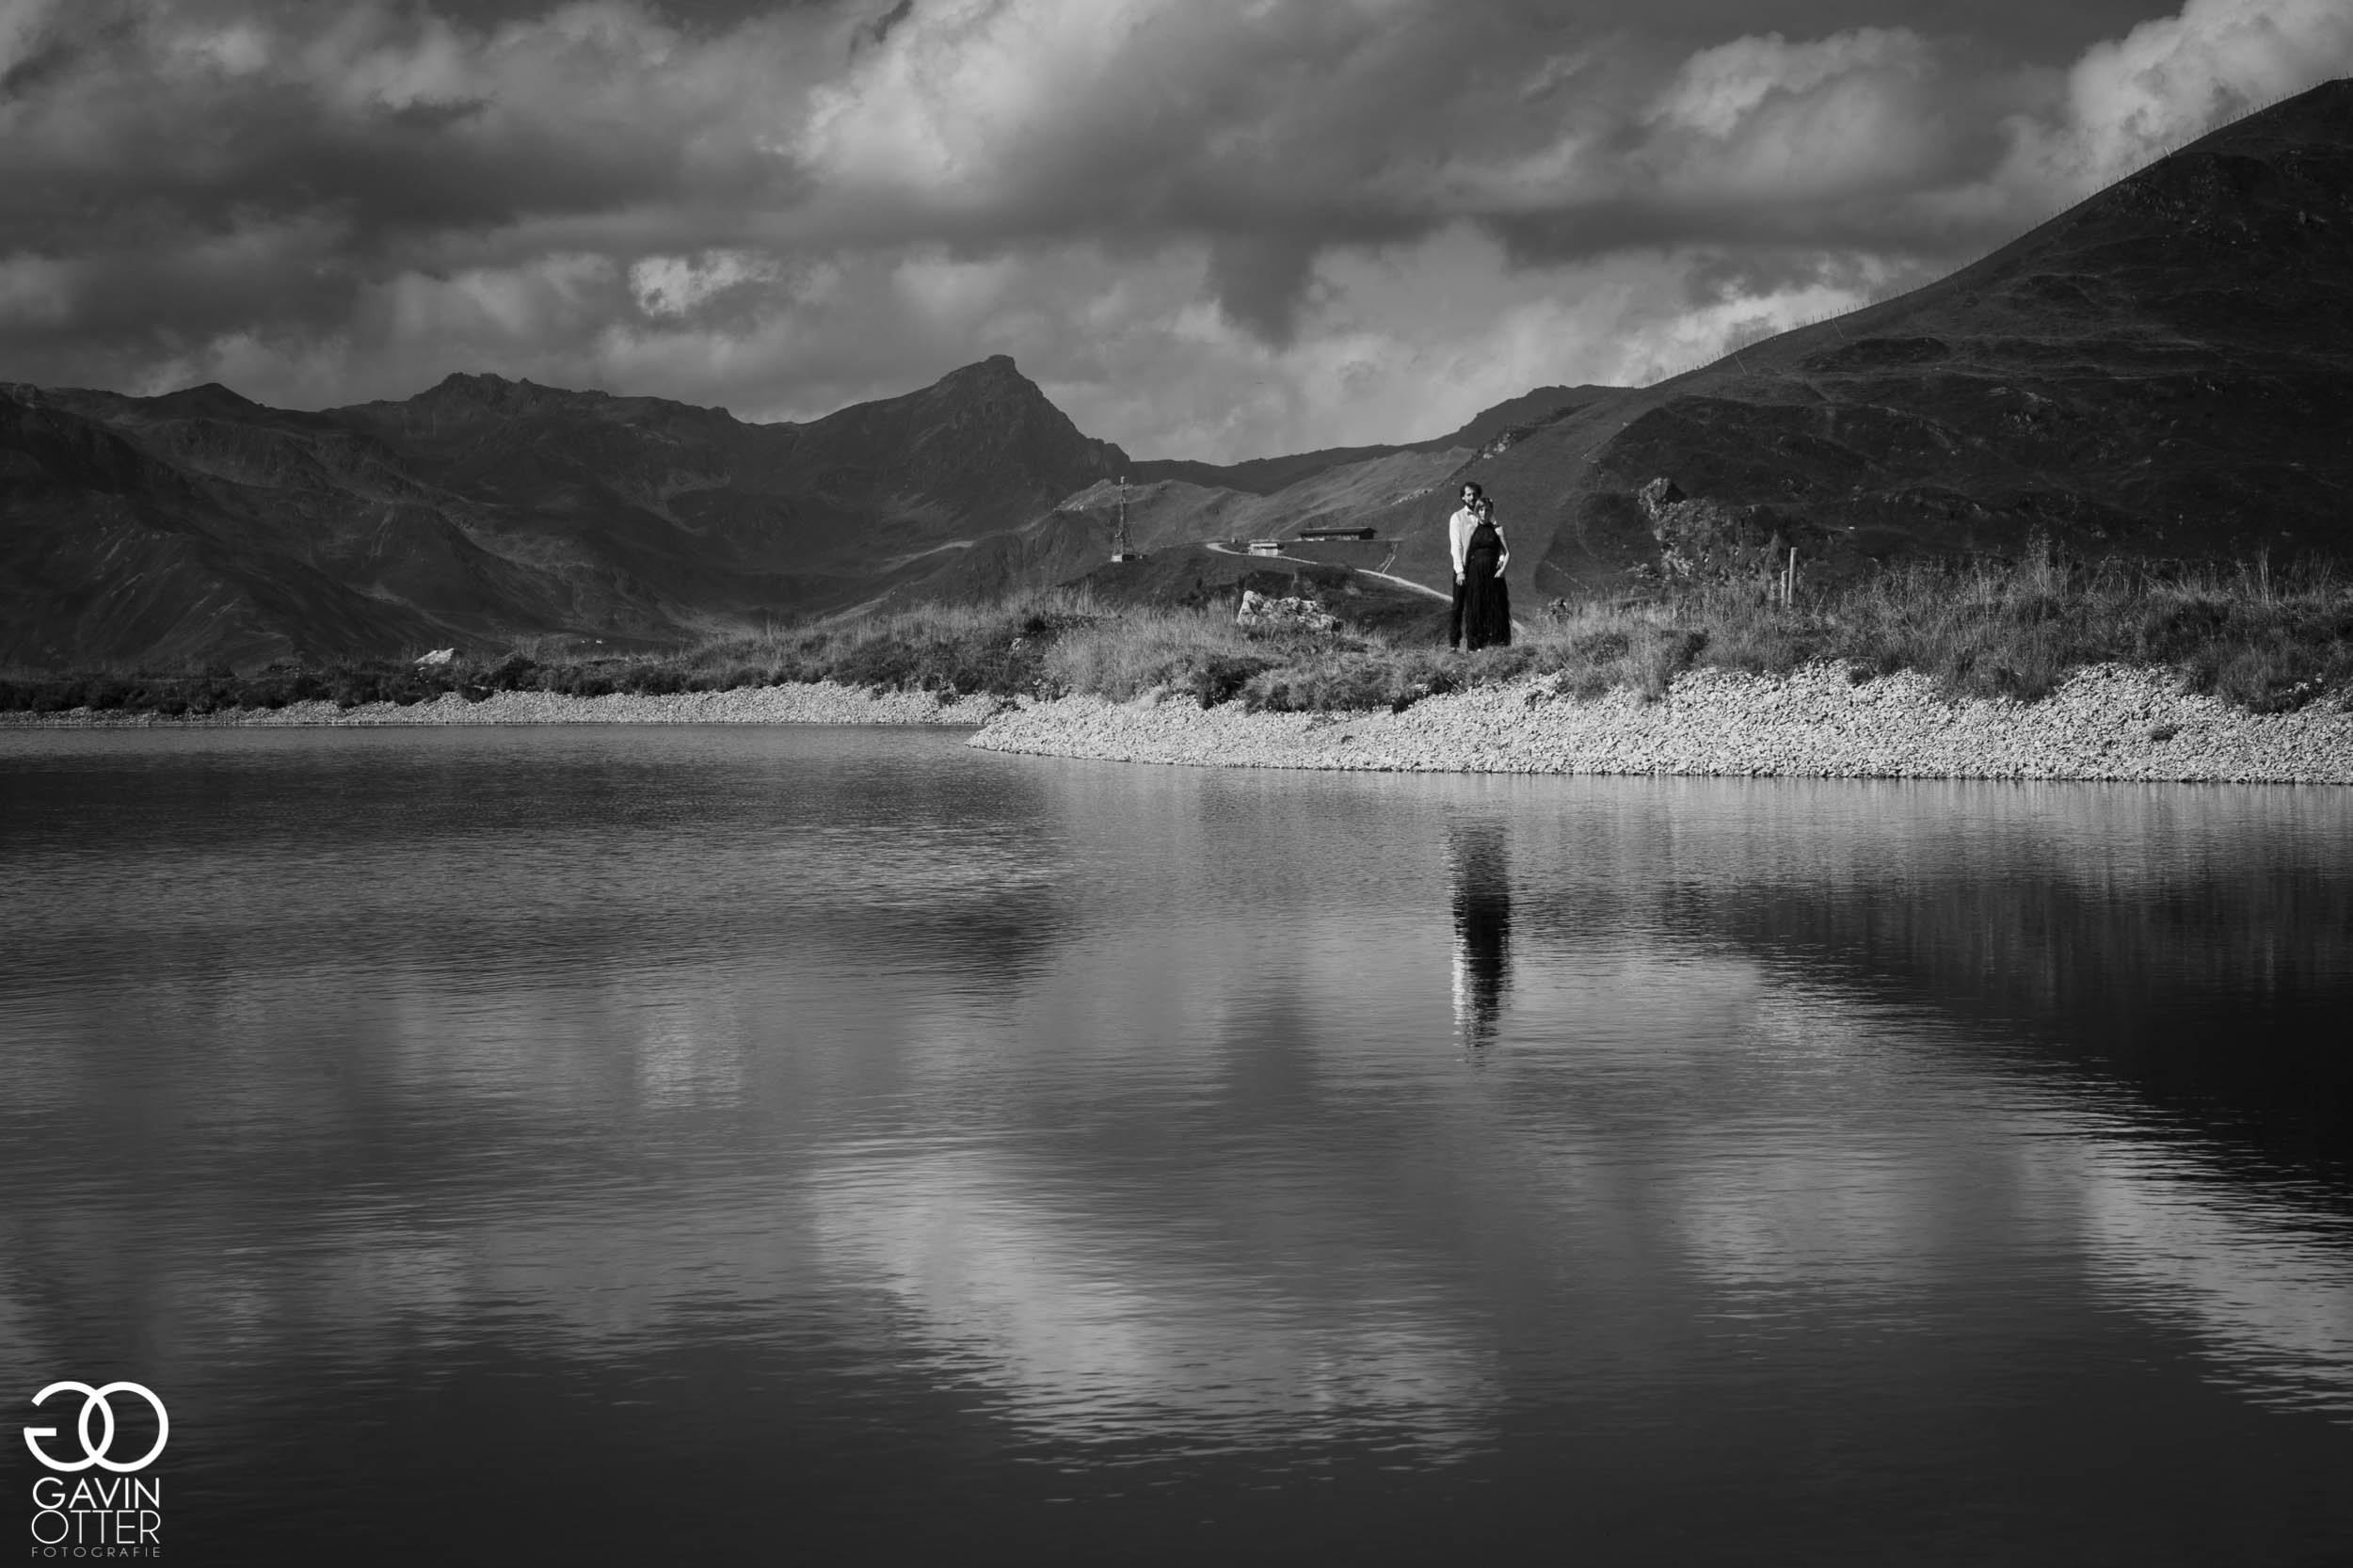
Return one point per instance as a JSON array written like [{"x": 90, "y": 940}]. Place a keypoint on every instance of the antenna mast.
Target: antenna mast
[{"x": 1120, "y": 550}]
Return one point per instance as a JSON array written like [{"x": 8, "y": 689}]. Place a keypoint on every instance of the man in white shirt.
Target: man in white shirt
[{"x": 1458, "y": 533}]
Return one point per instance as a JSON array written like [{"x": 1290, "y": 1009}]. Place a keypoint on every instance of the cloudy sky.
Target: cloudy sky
[{"x": 1208, "y": 227}]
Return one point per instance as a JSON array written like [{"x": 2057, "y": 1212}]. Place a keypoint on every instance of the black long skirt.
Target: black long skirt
[{"x": 1486, "y": 605}]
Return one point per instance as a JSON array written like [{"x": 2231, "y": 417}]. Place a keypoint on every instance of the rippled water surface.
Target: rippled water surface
[{"x": 826, "y": 1144}]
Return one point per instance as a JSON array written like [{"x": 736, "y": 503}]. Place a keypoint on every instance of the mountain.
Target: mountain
[
  {"x": 202, "y": 527},
  {"x": 1172, "y": 502},
  {"x": 2164, "y": 370},
  {"x": 1267, "y": 477},
  {"x": 1515, "y": 417},
  {"x": 718, "y": 518}
]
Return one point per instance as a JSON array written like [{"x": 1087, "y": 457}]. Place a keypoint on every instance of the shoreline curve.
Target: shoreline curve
[
  {"x": 2108, "y": 722},
  {"x": 823, "y": 702}
]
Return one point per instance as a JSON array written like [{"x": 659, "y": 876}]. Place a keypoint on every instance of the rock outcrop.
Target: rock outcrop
[
  {"x": 1707, "y": 540},
  {"x": 1263, "y": 612}
]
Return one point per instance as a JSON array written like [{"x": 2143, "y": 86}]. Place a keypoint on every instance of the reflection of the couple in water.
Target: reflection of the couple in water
[{"x": 1483, "y": 927}]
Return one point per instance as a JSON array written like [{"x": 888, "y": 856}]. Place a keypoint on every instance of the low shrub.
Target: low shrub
[
  {"x": 1356, "y": 680},
  {"x": 1197, "y": 651},
  {"x": 1217, "y": 678}
]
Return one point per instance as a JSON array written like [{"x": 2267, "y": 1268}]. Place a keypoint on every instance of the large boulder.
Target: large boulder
[{"x": 1265, "y": 613}]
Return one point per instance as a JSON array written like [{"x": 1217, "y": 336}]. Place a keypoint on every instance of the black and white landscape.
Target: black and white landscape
[
  {"x": 2161, "y": 371},
  {"x": 736, "y": 820}
]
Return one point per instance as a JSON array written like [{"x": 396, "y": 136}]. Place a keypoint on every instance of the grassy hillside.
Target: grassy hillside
[
  {"x": 2163, "y": 371},
  {"x": 2266, "y": 641}
]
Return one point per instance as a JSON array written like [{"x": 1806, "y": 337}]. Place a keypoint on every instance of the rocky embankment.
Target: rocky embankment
[
  {"x": 822, "y": 703},
  {"x": 2106, "y": 722}
]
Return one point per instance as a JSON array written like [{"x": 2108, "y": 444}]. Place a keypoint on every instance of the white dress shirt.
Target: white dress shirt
[{"x": 1458, "y": 533}]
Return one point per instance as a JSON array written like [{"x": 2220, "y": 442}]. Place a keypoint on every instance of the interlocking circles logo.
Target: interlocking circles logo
[{"x": 117, "y": 1514}]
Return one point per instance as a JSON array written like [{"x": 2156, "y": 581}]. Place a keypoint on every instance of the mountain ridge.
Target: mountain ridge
[
  {"x": 483, "y": 509},
  {"x": 199, "y": 526},
  {"x": 2164, "y": 370}
]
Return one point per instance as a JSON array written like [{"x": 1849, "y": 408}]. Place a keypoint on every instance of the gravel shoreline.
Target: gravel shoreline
[
  {"x": 822, "y": 703},
  {"x": 2108, "y": 723}
]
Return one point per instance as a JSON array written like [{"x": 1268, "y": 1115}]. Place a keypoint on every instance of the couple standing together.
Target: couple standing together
[{"x": 1483, "y": 606}]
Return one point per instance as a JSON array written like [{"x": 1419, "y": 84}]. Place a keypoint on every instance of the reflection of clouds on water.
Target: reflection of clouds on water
[
  {"x": 1826, "y": 1218},
  {"x": 1144, "y": 1136},
  {"x": 19, "y": 1333},
  {"x": 1851, "y": 1202},
  {"x": 687, "y": 1047},
  {"x": 2267, "y": 1283},
  {"x": 582, "y": 1267},
  {"x": 1095, "y": 1329},
  {"x": 1827, "y": 1151},
  {"x": 1815, "y": 1174},
  {"x": 1480, "y": 858}
]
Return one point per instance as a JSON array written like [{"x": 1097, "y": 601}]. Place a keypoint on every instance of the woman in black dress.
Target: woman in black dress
[{"x": 1486, "y": 602}]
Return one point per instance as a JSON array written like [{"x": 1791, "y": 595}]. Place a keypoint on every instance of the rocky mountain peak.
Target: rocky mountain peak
[
  {"x": 489, "y": 390},
  {"x": 209, "y": 401},
  {"x": 995, "y": 381},
  {"x": 997, "y": 367}
]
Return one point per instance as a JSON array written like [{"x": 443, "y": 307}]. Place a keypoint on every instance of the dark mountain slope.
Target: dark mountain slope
[
  {"x": 1516, "y": 417},
  {"x": 980, "y": 449},
  {"x": 1172, "y": 504},
  {"x": 2160, "y": 371},
  {"x": 265, "y": 483},
  {"x": 1270, "y": 475},
  {"x": 1255, "y": 477},
  {"x": 1075, "y": 539},
  {"x": 110, "y": 553},
  {"x": 839, "y": 497},
  {"x": 200, "y": 526}
]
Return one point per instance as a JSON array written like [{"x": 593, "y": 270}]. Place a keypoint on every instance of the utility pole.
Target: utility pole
[{"x": 1120, "y": 550}]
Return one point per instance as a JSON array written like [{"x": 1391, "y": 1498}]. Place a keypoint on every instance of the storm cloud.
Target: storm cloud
[{"x": 1213, "y": 228}]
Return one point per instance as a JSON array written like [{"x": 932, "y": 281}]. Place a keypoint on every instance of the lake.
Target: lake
[{"x": 824, "y": 1144}]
